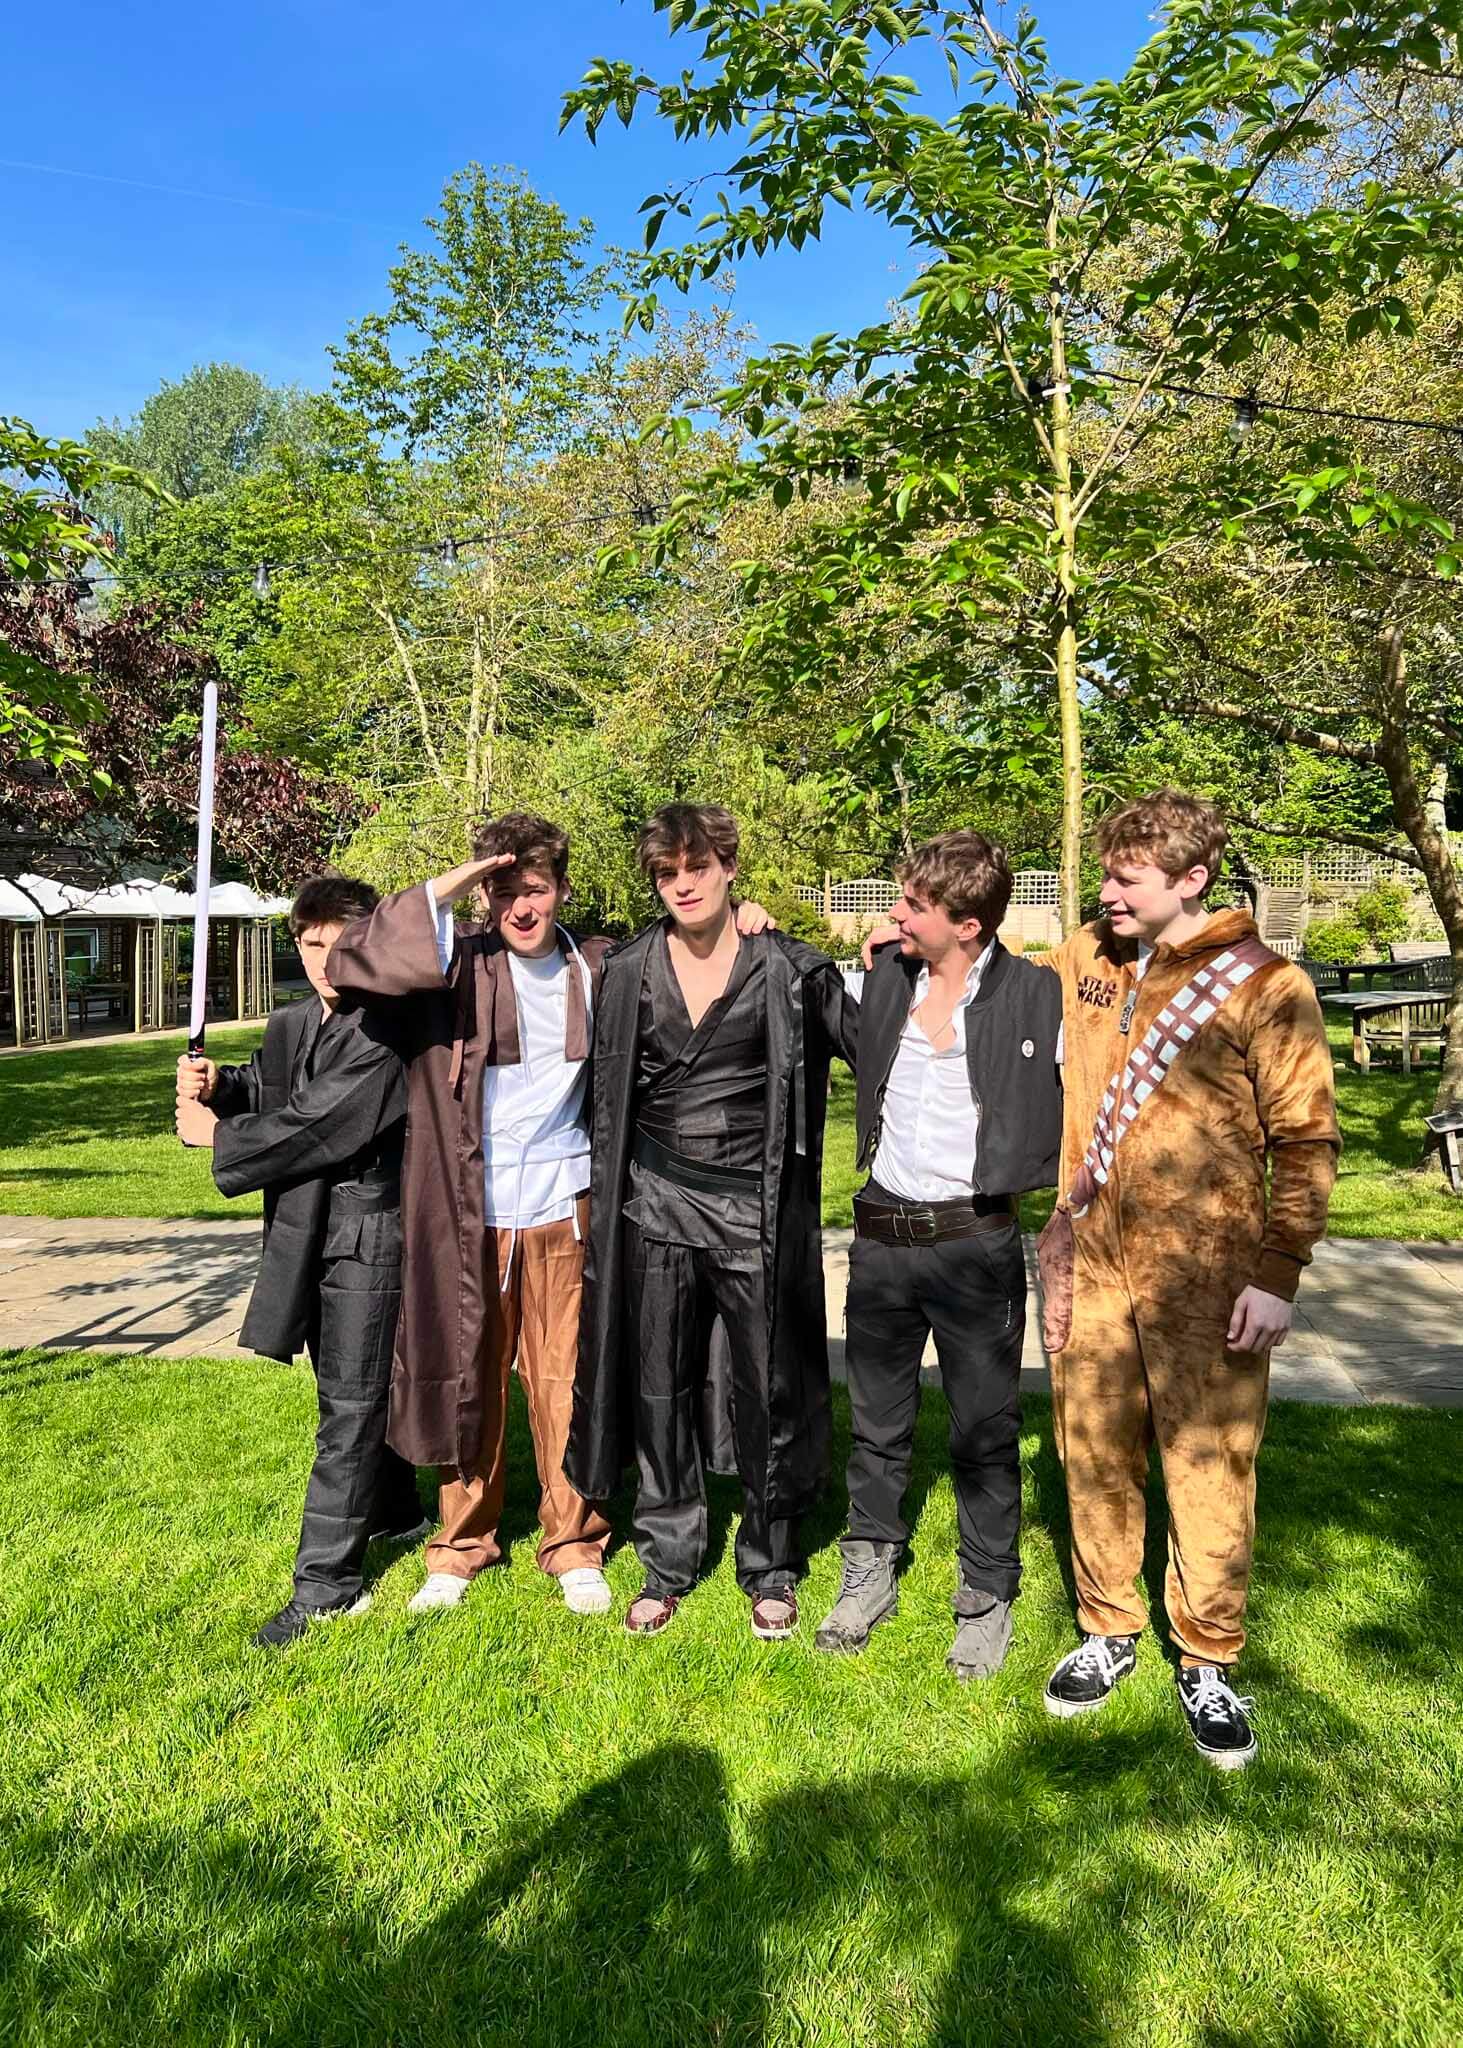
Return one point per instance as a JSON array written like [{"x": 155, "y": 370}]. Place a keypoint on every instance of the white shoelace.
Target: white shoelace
[
  {"x": 1094, "y": 1657},
  {"x": 1213, "y": 1695}
]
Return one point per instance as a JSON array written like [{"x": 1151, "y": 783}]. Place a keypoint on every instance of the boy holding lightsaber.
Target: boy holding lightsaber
[{"x": 317, "y": 1119}]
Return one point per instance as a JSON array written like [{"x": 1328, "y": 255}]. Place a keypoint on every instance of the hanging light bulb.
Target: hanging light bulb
[
  {"x": 449, "y": 552},
  {"x": 644, "y": 515},
  {"x": 261, "y": 581},
  {"x": 850, "y": 472},
  {"x": 1246, "y": 412}
]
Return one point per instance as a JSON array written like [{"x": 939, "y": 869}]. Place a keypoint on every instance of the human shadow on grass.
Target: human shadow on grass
[
  {"x": 633, "y": 1917},
  {"x": 652, "y": 1909},
  {"x": 649, "y": 1911}
]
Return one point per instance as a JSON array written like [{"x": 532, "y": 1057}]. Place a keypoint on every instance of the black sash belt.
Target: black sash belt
[
  {"x": 693, "y": 1173},
  {"x": 887, "y": 1221},
  {"x": 364, "y": 1197}
]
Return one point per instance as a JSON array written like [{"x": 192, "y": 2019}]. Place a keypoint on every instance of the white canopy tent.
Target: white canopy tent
[
  {"x": 67, "y": 950},
  {"x": 34, "y": 898}
]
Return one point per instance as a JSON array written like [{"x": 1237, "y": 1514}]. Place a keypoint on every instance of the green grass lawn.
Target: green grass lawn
[
  {"x": 89, "y": 1133},
  {"x": 506, "y": 1825}
]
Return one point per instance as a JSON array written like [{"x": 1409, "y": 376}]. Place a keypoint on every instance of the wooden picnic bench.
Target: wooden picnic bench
[
  {"x": 1338, "y": 974},
  {"x": 1381, "y": 1018}
]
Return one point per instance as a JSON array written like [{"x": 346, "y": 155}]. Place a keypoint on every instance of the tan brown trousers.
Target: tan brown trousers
[
  {"x": 533, "y": 1322},
  {"x": 1148, "y": 1365}
]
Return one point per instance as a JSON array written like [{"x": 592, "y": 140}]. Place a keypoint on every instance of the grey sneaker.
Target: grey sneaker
[
  {"x": 981, "y": 1640},
  {"x": 867, "y": 1596}
]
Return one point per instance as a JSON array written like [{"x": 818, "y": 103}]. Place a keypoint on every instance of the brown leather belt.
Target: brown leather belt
[{"x": 915, "y": 1223}]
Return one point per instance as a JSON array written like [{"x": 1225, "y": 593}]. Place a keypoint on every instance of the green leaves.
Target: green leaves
[{"x": 45, "y": 538}]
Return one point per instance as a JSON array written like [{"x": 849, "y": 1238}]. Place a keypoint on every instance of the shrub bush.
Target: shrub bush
[
  {"x": 801, "y": 921},
  {"x": 1384, "y": 912},
  {"x": 1336, "y": 942}
]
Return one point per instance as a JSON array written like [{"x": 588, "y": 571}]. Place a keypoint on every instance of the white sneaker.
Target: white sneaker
[
  {"x": 442, "y": 1589},
  {"x": 586, "y": 1590}
]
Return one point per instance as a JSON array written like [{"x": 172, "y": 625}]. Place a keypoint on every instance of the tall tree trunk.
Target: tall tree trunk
[
  {"x": 1068, "y": 705},
  {"x": 1419, "y": 819},
  {"x": 1437, "y": 797}
]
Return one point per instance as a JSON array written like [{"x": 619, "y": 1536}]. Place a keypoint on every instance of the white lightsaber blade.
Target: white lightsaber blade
[{"x": 203, "y": 869}]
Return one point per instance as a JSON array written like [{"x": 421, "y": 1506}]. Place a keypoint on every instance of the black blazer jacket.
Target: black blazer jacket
[{"x": 1011, "y": 1033}]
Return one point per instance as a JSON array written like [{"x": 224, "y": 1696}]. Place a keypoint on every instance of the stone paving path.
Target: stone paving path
[{"x": 1377, "y": 1320}]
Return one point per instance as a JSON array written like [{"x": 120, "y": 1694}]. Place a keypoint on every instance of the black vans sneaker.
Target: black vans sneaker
[
  {"x": 1218, "y": 1718},
  {"x": 1085, "y": 1678}
]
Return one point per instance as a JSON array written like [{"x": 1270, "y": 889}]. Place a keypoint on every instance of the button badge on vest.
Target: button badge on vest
[{"x": 1028, "y": 1048}]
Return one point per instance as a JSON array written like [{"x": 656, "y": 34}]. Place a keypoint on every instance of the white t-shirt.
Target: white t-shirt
[{"x": 535, "y": 1127}]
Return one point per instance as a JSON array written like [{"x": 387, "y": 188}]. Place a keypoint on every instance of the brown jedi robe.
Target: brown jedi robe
[{"x": 450, "y": 1030}]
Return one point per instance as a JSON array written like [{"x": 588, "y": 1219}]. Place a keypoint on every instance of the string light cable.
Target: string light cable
[
  {"x": 642, "y": 515},
  {"x": 1247, "y": 407}
]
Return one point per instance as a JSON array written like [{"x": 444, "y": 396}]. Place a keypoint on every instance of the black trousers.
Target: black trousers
[
  {"x": 676, "y": 1294},
  {"x": 971, "y": 1292},
  {"x": 358, "y": 1484}
]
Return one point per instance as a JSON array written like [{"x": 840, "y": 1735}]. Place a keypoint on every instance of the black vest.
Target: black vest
[
  {"x": 1011, "y": 1033},
  {"x": 703, "y": 1091}
]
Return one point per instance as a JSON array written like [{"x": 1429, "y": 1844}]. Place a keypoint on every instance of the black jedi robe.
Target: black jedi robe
[
  {"x": 317, "y": 1120},
  {"x": 809, "y": 1015}
]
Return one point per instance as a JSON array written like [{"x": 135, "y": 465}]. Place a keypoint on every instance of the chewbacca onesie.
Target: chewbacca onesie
[{"x": 1177, "y": 1230}]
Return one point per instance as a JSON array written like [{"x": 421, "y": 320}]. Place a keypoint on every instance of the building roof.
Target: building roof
[{"x": 137, "y": 898}]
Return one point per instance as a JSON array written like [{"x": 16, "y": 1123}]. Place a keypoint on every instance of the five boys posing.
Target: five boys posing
[{"x": 708, "y": 1092}]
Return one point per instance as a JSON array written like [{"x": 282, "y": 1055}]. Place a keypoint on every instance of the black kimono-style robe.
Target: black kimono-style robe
[
  {"x": 809, "y": 1015},
  {"x": 316, "y": 1119}
]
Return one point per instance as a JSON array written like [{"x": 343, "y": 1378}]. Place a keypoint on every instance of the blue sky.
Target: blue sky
[{"x": 250, "y": 170}]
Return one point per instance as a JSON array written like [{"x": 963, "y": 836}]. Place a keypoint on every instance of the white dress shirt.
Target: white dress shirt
[
  {"x": 930, "y": 1123},
  {"x": 535, "y": 1128}
]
